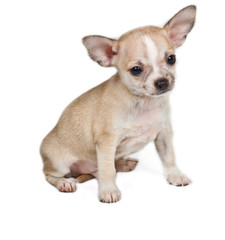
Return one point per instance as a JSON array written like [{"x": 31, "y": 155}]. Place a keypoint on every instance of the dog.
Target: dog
[{"x": 98, "y": 131}]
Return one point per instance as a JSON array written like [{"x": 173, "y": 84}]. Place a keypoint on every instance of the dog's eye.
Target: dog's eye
[
  {"x": 136, "y": 70},
  {"x": 171, "y": 59}
]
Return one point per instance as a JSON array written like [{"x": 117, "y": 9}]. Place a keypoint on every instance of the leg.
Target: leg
[
  {"x": 55, "y": 173},
  {"x": 57, "y": 179},
  {"x": 62, "y": 184},
  {"x": 106, "y": 148},
  {"x": 125, "y": 165},
  {"x": 121, "y": 165},
  {"x": 164, "y": 146}
]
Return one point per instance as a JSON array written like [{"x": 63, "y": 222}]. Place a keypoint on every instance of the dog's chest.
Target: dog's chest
[
  {"x": 140, "y": 129},
  {"x": 144, "y": 126}
]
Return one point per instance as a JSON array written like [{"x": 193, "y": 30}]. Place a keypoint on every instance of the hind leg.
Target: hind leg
[
  {"x": 125, "y": 165},
  {"x": 56, "y": 160},
  {"x": 56, "y": 175},
  {"x": 58, "y": 179},
  {"x": 62, "y": 184}
]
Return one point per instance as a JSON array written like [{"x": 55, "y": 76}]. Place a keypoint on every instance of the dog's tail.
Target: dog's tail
[{"x": 84, "y": 178}]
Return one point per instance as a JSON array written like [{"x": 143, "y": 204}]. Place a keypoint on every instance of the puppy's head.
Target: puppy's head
[{"x": 145, "y": 57}]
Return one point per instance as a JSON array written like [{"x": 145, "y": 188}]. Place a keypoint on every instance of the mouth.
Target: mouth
[{"x": 162, "y": 92}]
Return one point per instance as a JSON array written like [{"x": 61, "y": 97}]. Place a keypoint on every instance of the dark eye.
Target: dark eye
[
  {"x": 171, "y": 59},
  {"x": 136, "y": 70}
]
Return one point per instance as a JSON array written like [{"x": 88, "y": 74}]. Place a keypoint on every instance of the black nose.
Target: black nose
[{"x": 162, "y": 84}]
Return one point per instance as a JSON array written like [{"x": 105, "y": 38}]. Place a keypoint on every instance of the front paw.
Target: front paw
[
  {"x": 109, "y": 194},
  {"x": 176, "y": 178}
]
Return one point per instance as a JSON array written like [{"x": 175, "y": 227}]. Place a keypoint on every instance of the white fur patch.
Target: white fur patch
[{"x": 153, "y": 53}]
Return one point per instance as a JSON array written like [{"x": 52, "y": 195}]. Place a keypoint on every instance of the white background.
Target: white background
[{"x": 44, "y": 66}]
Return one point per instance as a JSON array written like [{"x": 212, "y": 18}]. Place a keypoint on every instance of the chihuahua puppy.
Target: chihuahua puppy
[{"x": 100, "y": 129}]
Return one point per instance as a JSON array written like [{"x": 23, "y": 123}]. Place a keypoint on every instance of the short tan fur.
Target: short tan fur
[{"x": 98, "y": 131}]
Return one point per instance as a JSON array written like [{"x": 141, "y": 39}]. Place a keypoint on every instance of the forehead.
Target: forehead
[{"x": 145, "y": 44}]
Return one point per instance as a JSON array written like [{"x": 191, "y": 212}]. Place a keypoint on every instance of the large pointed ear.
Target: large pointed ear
[
  {"x": 101, "y": 49},
  {"x": 180, "y": 25}
]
